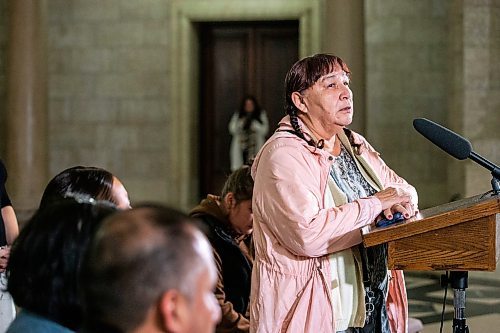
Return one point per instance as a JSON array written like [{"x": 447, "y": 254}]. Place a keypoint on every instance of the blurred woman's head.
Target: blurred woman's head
[
  {"x": 45, "y": 259},
  {"x": 249, "y": 107},
  {"x": 236, "y": 197},
  {"x": 96, "y": 183}
]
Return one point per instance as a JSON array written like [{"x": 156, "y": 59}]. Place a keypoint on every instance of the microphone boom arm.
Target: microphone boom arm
[{"x": 495, "y": 170}]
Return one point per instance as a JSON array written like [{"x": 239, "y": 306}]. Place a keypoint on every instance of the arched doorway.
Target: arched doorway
[{"x": 184, "y": 95}]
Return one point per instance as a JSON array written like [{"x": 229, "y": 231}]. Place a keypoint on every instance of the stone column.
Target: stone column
[
  {"x": 345, "y": 37},
  {"x": 26, "y": 103}
]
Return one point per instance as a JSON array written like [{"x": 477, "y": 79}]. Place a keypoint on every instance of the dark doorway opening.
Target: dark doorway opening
[{"x": 237, "y": 59}]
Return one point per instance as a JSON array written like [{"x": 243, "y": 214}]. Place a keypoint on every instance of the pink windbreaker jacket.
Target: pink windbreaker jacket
[{"x": 295, "y": 231}]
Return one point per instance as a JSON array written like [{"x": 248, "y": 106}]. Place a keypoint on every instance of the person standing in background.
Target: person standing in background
[
  {"x": 249, "y": 127},
  {"x": 9, "y": 230}
]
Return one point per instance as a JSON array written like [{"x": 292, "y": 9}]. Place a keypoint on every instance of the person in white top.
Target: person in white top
[{"x": 248, "y": 126}]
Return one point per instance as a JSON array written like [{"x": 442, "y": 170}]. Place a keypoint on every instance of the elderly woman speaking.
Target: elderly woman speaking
[{"x": 317, "y": 183}]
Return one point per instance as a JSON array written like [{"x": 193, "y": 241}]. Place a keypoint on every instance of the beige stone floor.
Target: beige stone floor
[{"x": 477, "y": 324}]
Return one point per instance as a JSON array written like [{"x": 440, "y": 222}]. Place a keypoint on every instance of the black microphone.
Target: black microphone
[
  {"x": 450, "y": 142},
  {"x": 454, "y": 144}
]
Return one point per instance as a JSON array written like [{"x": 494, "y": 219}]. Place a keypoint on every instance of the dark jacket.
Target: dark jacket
[{"x": 233, "y": 258}]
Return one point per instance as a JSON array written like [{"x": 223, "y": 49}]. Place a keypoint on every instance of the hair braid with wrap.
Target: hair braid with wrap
[{"x": 294, "y": 120}]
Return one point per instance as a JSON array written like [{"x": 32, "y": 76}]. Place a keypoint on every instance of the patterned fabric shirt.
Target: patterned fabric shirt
[{"x": 349, "y": 179}]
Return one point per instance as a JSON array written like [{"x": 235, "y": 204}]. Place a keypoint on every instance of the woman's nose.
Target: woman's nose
[{"x": 346, "y": 93}]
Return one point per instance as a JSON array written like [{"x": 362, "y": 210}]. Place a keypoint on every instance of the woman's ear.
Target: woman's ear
[
  {"x": 174, "y": 311},
  {"x": 298, "y": 100},
  {"x": 229, "y": 200}
]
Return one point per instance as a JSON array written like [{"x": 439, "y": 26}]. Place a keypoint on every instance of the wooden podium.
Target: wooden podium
[{"x": 459, "y": 236}]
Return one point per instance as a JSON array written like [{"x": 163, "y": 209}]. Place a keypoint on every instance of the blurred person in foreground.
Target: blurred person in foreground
[
  {"x": 45, "y": 262},
  {"x": 44, "y": 242},
  {"x": 317, "y": 183},
  {"x": 149, "y": 270},
  {"x": 228, "y": 223}
]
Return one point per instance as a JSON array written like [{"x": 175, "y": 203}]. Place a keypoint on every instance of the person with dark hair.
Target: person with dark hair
[
  {"x": 248, "y": 127},
  {"x": 9, "y": 229},
  {"x": 228, "y": 223},
  {"x": 317, "y": 183},
  {"x": 94, "y": 182},
  {"x": 149, "y": 270},
  {"x": 45, "y": 262}
]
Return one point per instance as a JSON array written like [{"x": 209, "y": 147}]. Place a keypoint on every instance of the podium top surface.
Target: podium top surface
[{"x": 438, "y": 217}]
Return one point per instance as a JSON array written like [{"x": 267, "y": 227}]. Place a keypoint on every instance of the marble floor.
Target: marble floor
[{"x": 482, "y": 307}]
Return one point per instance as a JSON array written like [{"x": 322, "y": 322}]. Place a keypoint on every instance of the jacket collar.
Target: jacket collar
[{"x": 211, "y": 206}]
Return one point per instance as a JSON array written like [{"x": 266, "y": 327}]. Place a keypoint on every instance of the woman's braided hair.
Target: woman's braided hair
[{"x": 303, "y": 74}]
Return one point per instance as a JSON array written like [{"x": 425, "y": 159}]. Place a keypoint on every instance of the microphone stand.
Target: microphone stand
[
  {"x": 458, "y": 281},
  {"x": 495, "y": 171},
  {"x": 495, "y": 183}
]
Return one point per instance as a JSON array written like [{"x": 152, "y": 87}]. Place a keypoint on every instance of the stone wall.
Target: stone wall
[
  {"x": 110, "y": 83},
  {"x": 345, "y": 38},
  {"x": 406, "y": 73},
  {"x": 438, "y": 60},
  {"x": 108, "y": 101}
]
